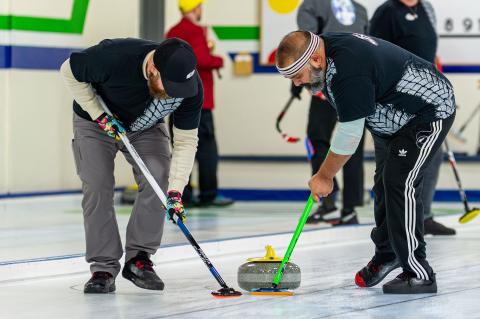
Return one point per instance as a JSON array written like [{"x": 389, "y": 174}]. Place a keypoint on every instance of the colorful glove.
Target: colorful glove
[
  {"x": 175, "y": 206},
  {"x": 111, "y": 125}
]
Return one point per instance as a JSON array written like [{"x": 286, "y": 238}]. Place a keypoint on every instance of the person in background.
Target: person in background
[
  {"x": 411, "y": 24},
  {"x": 189, "y": 30},
  {"x": 320, "y": 16}
]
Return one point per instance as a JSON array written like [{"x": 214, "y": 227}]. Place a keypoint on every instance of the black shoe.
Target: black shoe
[
  {"x": 222, "y": 201},
  {"x": 190, "y": 203},
  {"x": 320, "y": 214},
  {"x": 408, "y": 283},
  {"x": 218, "y": 201},
  {"x": 435, "y": 228},
  {"x": 372, "y": 274},
  {"x": 139, "y": 270},
  {"x": 347, "y": 218},
  {"x": 101, "y": 282}
]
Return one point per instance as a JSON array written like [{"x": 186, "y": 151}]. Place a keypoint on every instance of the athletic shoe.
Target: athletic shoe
[
  {"x": 372, "y": 274},
  {"x": 139, "y": 270},
  {"x": 320, "y": 213},
  {"x": 190, "y": 203},
  {"x": 408, "y": 283},
  {"x": 218, "y": 201},
  {"x": 435, "y": 228},
  {"x": 101, "y": 282},
  {"x": 347, "y": 218}
]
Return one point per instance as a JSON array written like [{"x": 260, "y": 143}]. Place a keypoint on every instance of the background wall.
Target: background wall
[
  {"x": 35, "y": 107},
  {"x": 3, "y": 130},
  {"x": 4, "y": 74},
  {"x": 247, "y": 106}
]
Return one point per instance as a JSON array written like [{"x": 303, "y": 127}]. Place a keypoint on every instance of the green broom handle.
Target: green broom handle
[{"x": 296, "y": 235}]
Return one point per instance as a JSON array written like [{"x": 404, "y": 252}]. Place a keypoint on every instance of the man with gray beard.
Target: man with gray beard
[
  {"x": 141, "y": 82},
  {"x": 408, "y": 106},
  {"x": 319, "y": 16}
]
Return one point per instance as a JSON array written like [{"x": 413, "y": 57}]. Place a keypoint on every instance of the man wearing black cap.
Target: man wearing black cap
[{"x": 141, "y": 82}]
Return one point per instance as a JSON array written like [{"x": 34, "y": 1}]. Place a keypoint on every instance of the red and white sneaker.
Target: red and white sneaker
[{"x": 372, "y": 274}]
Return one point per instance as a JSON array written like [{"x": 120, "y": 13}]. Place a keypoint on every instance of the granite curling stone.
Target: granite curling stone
[{"x": 259, "y": 273}]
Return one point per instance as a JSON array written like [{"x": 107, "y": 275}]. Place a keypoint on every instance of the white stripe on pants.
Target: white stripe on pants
[{"x": 410, "y": 203}]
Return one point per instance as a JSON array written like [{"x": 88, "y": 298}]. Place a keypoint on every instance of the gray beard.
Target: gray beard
[{"x": 318, "y": 80}]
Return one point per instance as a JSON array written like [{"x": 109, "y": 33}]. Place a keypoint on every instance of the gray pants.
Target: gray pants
[
  {"x": 430, "y": 178},
  {"x": 94, "y": 154}
]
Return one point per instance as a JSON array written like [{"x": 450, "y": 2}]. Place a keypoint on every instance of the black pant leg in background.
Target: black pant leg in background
[
  {"x": 322, "y": 118},
  {"x": 353, "y": 179},
  {"x": 430, "y": 182},
  {"x": 207, "y": 157},
  {"x": 408, "y": 153},
  {"x": 187, "y": 195}
]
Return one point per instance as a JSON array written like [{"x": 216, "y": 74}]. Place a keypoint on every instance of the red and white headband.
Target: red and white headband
[{"x": 292, "y": 69}]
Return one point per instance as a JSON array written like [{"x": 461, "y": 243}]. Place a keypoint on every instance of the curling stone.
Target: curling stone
[{"x": 259, "y": 273}]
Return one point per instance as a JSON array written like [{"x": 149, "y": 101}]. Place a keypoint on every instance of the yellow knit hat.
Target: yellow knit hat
[{"x": 188, "y": 5}]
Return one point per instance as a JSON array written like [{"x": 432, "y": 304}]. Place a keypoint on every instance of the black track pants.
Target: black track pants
[{"x": 400, "y": 164}]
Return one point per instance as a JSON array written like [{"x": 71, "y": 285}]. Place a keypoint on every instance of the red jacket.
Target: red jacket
[{"x": 196, "y": 36}]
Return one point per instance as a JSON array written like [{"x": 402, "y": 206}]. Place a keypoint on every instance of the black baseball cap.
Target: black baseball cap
[{"x": 176, "y": 62}]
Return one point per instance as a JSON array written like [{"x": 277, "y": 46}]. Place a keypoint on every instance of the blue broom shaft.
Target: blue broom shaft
[{"x": 200, "y": 252}]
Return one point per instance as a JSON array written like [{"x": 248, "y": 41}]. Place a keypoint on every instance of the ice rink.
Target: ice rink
[{"x": 42, "y": 270}]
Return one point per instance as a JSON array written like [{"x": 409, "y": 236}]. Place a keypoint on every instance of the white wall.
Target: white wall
[
  {"x": 37, "y": 115},
  {"x": 4, "y": 75},
  {"x": 3, "y": 129},
  {"x": 467, "y": 94}
]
